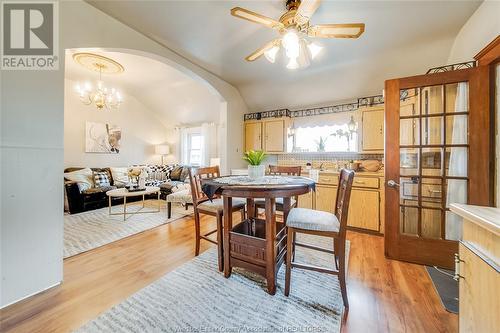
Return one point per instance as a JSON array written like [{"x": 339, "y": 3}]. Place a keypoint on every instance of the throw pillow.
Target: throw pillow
[
  {"x": 120, "y": 176},
  {"x": 101, "y": 179},
  {"x": 82, "y": 177},
  {"x": 176, "y": 172}
]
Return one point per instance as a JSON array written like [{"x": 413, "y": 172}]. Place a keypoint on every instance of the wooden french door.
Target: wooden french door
[{"x": 437, "y": 152}]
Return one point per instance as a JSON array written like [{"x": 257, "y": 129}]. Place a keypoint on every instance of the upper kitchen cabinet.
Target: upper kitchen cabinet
[
  {"x": 268, "y": 135},
  {"x": 274, "y": 135},
  {"x": 253, "y": 135},
  {"x": 372, "y": 128}
]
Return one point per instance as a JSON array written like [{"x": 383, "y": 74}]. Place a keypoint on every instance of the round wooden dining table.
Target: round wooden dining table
[{"x": 256, "y": 244}]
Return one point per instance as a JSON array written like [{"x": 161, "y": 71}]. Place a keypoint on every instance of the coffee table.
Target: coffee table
[{"x": 123, "y": 192}]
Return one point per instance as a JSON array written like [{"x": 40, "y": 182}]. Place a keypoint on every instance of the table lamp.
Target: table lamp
[{"x": 162, "y": 150}]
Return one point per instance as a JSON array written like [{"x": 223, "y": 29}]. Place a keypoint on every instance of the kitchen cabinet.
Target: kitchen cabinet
[
  {"x": 274, "y": 135},
  {"x": 325, "y": 197},
  {"x": 268, "y": 135},
  {"x": 478, "y": 269},
  {"x": 364, "y": 210},
  {"x": 372, "y": 129},
  {"x": 366, "y": 204},
  {"x": 306, "y": 200},
  {"x": 253, "y": 135}
]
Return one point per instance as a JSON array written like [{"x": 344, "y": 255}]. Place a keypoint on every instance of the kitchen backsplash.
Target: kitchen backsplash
[{"x": 329, "y": 160}]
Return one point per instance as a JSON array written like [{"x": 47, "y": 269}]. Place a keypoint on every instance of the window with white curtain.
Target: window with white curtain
[
  {"x": 195, "y": 145},
  {"x": 325, "y": 138}
]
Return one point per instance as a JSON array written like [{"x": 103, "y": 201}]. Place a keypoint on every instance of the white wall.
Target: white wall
[
  {"x": 32, "y": 123},
  {"x": 481, "y": 28},
  {"x": 141, "y": 130}
]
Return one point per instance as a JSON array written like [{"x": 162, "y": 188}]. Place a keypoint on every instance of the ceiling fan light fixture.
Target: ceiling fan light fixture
[
  {"x": 292, "y": 64},
  {"x": 314, "y": 49},
  {"x": 271, "y": 54},
  {"x": 291, "y": 43}
]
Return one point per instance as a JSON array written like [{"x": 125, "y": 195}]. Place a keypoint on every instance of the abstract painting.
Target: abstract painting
[{"x": 102, "y": 138}]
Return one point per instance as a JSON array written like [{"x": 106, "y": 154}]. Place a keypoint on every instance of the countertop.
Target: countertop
[
  {"x": 358, "y": 173},
  {"x": 486, "y": 217}
]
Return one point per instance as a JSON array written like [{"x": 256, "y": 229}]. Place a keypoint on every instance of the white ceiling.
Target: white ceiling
[
  {"x": 401, "y": 38},
  {"x": 173, "y": 96}
]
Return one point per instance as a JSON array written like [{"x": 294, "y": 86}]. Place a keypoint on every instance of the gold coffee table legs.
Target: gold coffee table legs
[{"x": 126, "y": 213}]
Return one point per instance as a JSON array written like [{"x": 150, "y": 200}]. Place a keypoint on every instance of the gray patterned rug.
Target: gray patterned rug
[
  {"x": 88, "y": 230},
  {"x": 197, "y": 298}
]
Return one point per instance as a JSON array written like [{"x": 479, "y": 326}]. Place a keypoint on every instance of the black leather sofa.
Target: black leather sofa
[{"x": 94, "y": 198}]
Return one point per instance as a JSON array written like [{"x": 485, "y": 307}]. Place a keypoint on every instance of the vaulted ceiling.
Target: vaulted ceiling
[
  {"x": 174, "y": 97},
  {"x": 401, "y": 38}
]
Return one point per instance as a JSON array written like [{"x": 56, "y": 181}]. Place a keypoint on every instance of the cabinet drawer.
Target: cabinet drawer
[
  {"x": 328, "y": 180},
  {"x": 365, "y": 182}
]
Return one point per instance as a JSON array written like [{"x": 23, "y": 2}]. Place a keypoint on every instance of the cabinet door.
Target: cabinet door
[
  {"x": 325, "y": 198},
  {"x": 305, "y": 200},
  {"x": 479, "y": 300},
  {"x": 373, "y": 130},
  {"x": 364, "y": 210},
  {"x": 253, "y": 136},
  {"x": 274, "y": 136}
]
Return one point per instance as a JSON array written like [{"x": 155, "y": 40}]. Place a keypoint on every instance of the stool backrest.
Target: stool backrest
[
  {"x": 346, "y": 178},
  {"x": 195, "y": 177},
  {"x": 285, "y": 170}
]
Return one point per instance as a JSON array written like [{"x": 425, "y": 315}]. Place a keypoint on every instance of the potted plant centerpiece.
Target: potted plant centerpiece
[{"x": 254, "y": 159}]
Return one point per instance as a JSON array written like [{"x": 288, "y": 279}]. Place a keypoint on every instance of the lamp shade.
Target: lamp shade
[{"x": 162, "y": 149}]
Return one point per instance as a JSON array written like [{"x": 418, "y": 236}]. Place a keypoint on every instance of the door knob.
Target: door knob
[{"x": 392, "y": 183}]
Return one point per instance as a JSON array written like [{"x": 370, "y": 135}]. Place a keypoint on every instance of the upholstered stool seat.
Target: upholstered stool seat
[
  {"x": 314, "y": 220},
  {"x": 183, "y": 197},
  {"x": 217, "y": 205}
]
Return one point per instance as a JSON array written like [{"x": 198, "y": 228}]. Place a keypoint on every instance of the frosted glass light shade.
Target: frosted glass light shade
[{"x": 162, "y": 149}]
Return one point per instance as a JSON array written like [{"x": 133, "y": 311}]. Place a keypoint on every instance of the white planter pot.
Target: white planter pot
[{"x": 256, "y": 171}]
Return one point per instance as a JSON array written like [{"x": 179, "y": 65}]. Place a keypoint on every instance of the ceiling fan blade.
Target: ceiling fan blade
[
  {"x": 258, "y": 53},
  {"x": 306, "y": 11},
  {"x": 256, "y": 18},
  {"x": 346, "y": 30}
]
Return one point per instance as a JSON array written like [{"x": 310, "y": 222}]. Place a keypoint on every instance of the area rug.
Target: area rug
[
  {"x": 197, "y": 298},
  {"x": 89, "y": 230}
]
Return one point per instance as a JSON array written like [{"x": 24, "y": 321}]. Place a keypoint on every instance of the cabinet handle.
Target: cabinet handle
[
  {"x": 359, "y": 182},
  {"x": 381, "y": 130}
]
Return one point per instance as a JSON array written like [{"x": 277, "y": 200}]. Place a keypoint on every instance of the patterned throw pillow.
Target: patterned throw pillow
[{"x": 101, "y": 179}]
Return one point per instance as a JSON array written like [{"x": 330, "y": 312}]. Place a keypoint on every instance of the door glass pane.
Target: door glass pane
[
  {"x": 432, "y": 100},
  {"x": 408, "y": 160},
  {"x": 432, "y": 130},
  {"x": 408, "y": 191},
  {"x": 457, "y": 130},
  {"x": 457, "y": 97},
  {"x": 453, "y": 226},
  {"x": 456, "y": 161},
  {"x": 409, "y": 221},
  {"x": 431, "y": 161},
  {"x": 456, "y": 191},
  {"x": 432, "y": 192},
  {"x": 431, "y": 223},
  {"x": 409, "y": 132},
  {"x": 409, "y": 103}
]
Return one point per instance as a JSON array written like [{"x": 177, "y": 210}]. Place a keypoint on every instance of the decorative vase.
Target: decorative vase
[{"x": 256, "y": 171}]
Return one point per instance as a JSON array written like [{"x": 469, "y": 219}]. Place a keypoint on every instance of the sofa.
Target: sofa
[{"x": 84, "y": 189}]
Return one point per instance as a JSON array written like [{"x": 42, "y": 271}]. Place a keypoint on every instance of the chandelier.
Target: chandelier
[
  {"x": 297, "y": 49},
  {"x": 99, "y": 95}
]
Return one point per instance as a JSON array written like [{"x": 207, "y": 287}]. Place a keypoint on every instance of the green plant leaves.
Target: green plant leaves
[{"x": 254, "y": 157}]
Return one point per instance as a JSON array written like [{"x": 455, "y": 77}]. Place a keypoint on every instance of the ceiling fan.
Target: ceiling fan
[{"x": 294, "y": 26}]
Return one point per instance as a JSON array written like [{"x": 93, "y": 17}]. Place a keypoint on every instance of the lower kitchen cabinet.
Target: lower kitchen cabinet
[
  {"x": 325, "y": 198},
  {"x": 364, "y": 210},
  {"x": 365, "y": 207}
]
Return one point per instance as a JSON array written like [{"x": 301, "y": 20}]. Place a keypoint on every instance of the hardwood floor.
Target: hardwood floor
[{"x": 384, "y": 295}]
